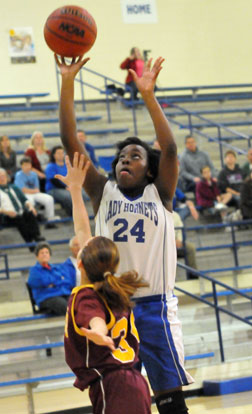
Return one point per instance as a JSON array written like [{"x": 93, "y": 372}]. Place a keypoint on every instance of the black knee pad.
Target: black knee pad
[{"x": 171, "y": 403}]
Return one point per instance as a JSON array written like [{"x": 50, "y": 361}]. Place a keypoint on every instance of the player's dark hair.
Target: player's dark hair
[
  {"x": 53, "y": 150},
  {"x": 153, "y": 156},
  {"x": 100, "y": 259}
]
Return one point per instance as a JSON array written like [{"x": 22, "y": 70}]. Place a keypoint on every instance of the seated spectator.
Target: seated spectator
[
  {"x": 27, "y": 180},
  {"x": 54, "y": 186},
  {"x": 134, "y": 61},
  {"x": 230, "y": 179},
  {"x": 191, "y": 162},
  {"x": 18, "y": 211},
  {"x": 247, "y": 167},
  {"x": 208, "y": 194},
  {"x": 246, "y": 198},
  {"x": 51, "y": 285},
  {"x": 183, "y": 206},
  {"x": 7, "y": 157},
  {"x": 88, "y": 147},
  {"x": 71, "y": 261},
  {"x": 40, "y": 156},
  {"x": 187, "y": 249}
]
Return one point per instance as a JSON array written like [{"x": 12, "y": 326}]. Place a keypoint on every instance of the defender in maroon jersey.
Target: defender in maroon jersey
[
  {"x": 114, "y": 384},
  {"x": 101, "y": 340}
]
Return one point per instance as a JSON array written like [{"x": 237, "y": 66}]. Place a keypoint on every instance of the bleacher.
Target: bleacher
[{"x": 42, "y": 334}]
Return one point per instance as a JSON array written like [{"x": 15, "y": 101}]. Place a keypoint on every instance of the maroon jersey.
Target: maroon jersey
[{"x": 86, "y": 359}]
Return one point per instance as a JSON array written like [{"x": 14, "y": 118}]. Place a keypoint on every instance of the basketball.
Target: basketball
[{"x": 70, "y": 31}]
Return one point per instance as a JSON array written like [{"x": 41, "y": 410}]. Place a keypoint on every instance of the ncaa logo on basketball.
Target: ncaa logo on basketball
[{"x": 71, "y": 29}]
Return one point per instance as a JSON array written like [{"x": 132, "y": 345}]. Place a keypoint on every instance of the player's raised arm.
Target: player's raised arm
[
  {"x": 168, "y": 169},
  {"x": 94, "y": 182},
  {"x": 76, "y": 175}
]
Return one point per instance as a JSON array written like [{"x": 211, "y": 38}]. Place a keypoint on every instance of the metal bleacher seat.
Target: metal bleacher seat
[{"x": 35, "y": 307}]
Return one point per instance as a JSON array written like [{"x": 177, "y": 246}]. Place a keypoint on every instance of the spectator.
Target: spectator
[
  {"x": 18, "y": 211},
  {"x": 27, "y": 180},
  {"x": 181, "y": 205},
  {"x": 184, "y": 249},
  {"x": 230, "y": 178},
  {"x": 247, "y": 167},
  {"x": 134, "y": 61},
  {"x": 51, "y": 285},
  {"x": 184, "y": 207},
  {"x": 39, "y": 155},
  {"x": 88, "y": 147},
  {"x": 54, "y": 186},
  {"x": 71, "y": 261},
  {"x": 208, "y": 194},
  {"x": 191, "y": 162},
  {"x": 7, "y": 157},
  {"x": 246, "y": 198}
]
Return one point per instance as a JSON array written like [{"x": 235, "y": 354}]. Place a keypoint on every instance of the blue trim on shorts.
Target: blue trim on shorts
[{"x": 153, "y": 298}]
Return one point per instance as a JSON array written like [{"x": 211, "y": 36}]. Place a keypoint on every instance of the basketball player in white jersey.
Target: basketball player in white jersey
[{"x": 136, "y": 213}]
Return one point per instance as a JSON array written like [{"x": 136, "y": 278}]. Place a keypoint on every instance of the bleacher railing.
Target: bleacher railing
[
  {"x": 109, "y": 94},
  {"x": 220, "y": 129},
  {"x": 233, "y": 245},
  {"x": 218, "y": 309}
]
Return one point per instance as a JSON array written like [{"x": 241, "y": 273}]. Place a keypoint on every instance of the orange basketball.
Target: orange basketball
[{"x": 70, "y": 31}]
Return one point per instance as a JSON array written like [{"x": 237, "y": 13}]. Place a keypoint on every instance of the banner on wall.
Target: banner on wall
[
  {"x": 21, "y": 45},
  {"x": 139, "y": 11}
]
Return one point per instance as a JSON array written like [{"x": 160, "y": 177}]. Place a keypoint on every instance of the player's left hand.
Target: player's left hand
[
  {"x": 150, "y": 73},
  {"x": 98, "y": 338}
]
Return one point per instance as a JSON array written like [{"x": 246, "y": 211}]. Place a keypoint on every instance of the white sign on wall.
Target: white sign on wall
[
  {"x": 21, "y": 45},
  {"x": 139, "y": 11}
]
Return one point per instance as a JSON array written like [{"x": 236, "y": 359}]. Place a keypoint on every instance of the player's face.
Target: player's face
[{"x": 132, "y": 167}]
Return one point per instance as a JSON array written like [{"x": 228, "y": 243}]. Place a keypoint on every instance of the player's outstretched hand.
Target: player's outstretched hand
[
  {"x": 98, "y": 338},
  {"x": 70, "y": 69},
  {"x": 76, "y": 173},
  {"x": 146, "y": 83}
]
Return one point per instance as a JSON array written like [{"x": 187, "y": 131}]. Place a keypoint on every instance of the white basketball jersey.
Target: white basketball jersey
[{"x": 143, "y": 231}]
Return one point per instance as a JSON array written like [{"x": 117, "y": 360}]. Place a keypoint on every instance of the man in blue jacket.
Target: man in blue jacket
[{"x": 51, "y": 284}]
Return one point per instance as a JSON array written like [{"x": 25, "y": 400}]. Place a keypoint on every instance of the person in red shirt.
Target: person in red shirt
[
  {"x": 208, "y": 194},
  {"x": 135, "y": 62},
  {"x": 101, "y": 340}
]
